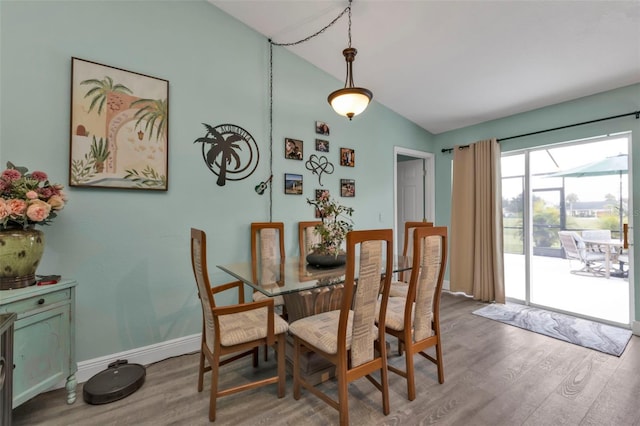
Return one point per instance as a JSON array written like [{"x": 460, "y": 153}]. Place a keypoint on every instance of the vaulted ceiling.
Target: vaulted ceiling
[{"x": 450, "y": 64}]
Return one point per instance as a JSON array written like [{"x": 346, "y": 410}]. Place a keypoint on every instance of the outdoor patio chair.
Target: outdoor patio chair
[
  {"x": 575, "y": 249},
  {"x": 623, "y": 260},
  {"x": 597, "y": 235}
]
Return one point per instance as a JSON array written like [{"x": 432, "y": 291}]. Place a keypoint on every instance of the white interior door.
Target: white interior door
[{"x": 414, "y": 194}]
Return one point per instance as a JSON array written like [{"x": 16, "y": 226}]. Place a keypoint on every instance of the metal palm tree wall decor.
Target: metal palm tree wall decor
[{"x": 229, "y": 151}]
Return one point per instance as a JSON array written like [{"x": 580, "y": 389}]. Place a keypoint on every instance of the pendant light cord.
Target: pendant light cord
[
  {"x": 271, "y": 129},
  {"x": 317, "y": 33},
  {"x": 271, "y": 44},
  {"x": 349, "y": 22}
]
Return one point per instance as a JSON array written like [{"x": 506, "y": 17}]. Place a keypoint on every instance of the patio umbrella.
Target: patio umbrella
[{"x": 616, "y": 165}]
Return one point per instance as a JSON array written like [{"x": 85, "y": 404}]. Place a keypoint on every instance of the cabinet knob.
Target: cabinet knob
[{"x": 40, "y": 301}]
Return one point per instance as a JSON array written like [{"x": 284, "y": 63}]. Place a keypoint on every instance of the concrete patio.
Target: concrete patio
[{"x": 554, "y": 286}]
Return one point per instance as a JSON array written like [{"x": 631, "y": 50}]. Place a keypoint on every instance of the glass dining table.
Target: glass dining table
[{"x": 306, "y": 289}]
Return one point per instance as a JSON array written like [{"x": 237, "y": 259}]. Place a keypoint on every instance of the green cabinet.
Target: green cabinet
[{"x": 44, "y": 338}]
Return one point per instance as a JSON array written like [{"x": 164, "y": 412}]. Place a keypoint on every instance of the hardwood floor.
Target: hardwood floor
[{"x": 495, "y": 374}]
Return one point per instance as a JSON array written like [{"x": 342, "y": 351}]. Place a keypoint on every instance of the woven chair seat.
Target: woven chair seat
[
  {"x": 395, "y": 313},
  {"x": 248, "y": 326},
  {"x": 321, "y": 330}
]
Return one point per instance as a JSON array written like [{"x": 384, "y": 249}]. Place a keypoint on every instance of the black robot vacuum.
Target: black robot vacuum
[{"x": 118, "y": 381}]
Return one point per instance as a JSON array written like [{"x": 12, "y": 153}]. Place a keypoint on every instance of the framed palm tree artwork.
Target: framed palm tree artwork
[{"x": 119, "y": 128}]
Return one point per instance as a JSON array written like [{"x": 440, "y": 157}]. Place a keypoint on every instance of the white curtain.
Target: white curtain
[{"x": 476, "y": 255}]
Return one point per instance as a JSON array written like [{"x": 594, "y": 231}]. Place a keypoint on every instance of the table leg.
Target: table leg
[{"x": 314, "y": 301}]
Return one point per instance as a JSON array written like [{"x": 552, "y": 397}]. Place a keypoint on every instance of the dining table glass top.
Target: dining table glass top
[{"x": 294, "y": 274}]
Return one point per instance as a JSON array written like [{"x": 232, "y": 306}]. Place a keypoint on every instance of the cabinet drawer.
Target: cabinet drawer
[{"x": 37, "y": 302}]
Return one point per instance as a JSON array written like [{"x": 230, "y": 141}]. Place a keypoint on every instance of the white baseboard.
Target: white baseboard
[
  {"x": 144, "y": 356},
  {"x": 635, "y": 328},
  {"x": 445, "y": 285}
]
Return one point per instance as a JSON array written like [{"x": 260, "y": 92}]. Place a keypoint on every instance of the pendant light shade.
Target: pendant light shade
[{"x": 350, "y": 101}]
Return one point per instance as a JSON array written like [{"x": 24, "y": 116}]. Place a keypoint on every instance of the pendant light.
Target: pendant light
[{"x": 350, "y": 101}]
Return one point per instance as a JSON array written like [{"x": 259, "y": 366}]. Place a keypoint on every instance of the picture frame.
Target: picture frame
[
  {"x": 347, "y": 157},
  {"x": 293, "y": 184},
  {"x": 322, "y": 128},
  {"x": 322, "y": 145},
  {"x": 119, "y": 128},
  {"x": 293, "y": 149},
  {"x": 318, "y": 194},
  {"x": 347, "y": 188}
]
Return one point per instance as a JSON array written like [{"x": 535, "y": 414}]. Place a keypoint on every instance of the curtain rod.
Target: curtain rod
[{"x": 636, "y": 113}]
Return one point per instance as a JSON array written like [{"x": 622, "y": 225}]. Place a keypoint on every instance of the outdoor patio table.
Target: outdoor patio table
[{"x": 610, "y": 247}]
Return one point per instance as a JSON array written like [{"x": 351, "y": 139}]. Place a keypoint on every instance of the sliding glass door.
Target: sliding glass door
[{"x": 577, "y": 187}]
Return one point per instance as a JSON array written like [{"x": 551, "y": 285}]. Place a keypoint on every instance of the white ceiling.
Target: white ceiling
[{"x": 450, "y": 64}]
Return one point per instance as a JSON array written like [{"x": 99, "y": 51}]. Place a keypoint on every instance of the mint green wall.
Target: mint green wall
[
  {"x": 614, "y": 102},
  {"x": 129, "y": 250}
]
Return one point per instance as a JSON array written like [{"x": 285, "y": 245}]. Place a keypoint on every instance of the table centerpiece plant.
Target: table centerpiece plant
[
  {"x": 26, "y": 199},
  {"x": 336, "y": 222}
]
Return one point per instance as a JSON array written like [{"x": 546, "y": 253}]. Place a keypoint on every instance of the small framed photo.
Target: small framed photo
[
  {"x": 322, "y": 128},
  {"x": 320, "y": 193},
  {"x": 322, "y": 145},
  {"x": 347, "y": 188},
  {"x": 347, "y": 157},
  {"x": 293, "y": 149},
  {"x": 292, "y": 184}
]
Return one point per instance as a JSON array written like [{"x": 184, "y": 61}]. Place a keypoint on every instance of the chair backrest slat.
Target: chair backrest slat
[
  {"x": 374, "y": 249},
  {"x": 267, "y": 249},
  {"x": 409, "y": 227},
  {"x": 364, "y": 303},
  {"x": 200, "y": 272},
  {"x": 307, "y": 236},
  {"x": 569, "y": 241},
  {"x": 427, "y": 277},
  {"x": 407, "y": 250}
]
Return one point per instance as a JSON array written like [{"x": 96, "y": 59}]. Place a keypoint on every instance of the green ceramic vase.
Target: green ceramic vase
[{"x": 20, "y": 254}]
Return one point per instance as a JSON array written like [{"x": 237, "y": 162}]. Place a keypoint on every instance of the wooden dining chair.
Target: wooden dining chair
[
  {"x": 267, "y": 245},
  {"x": 237, "y": 330},
  {"x": 399, "y": 287},
  {"x": 307, "y": 237},
  {"x": 415, "y": 319},
  {"x": 348, "y": 337}
]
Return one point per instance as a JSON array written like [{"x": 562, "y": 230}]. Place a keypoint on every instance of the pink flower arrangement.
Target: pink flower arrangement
[{"x": 28, "y": 199}]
